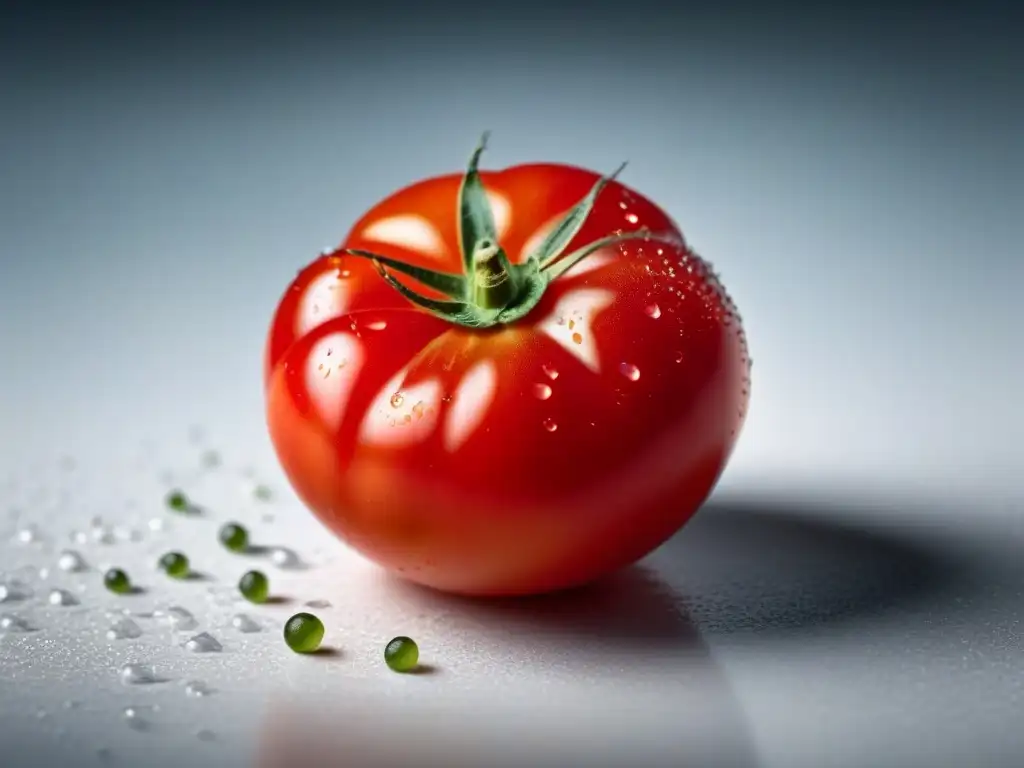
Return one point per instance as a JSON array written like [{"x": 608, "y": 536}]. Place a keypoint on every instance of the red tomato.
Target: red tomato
[{"x": 541, "y": 435}]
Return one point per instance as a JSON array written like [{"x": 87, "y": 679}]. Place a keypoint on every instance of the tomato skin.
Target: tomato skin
[{"x": 522, "y": 459}]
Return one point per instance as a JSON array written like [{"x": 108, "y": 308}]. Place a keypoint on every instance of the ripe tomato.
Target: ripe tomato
[{"x": 507, "y": 382}]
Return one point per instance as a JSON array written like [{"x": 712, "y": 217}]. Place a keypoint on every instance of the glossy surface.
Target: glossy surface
[
  {"x": 530, "y": 458},
  {"x": 402, "y": 654},
  {"x": 304, "y": 632},
  {"x": 234, "y": 537}
]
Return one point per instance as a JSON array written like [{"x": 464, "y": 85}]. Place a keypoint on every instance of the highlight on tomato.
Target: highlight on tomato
[{"x": 507, "y": 382}]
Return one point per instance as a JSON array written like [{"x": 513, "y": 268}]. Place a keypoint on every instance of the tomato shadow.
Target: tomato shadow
[
  {"x": 784, "y": 567},
  {"x": 633, "y": 609}
]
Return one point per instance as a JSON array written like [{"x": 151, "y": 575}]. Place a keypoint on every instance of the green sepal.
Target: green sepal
[
  {"x": 453, "y": 286},
  {"x": 476, "y": 220},
  {"x": 566, "y": 229}
]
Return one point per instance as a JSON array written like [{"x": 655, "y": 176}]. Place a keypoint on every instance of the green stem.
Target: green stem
[{"x": 494, "y": 281}]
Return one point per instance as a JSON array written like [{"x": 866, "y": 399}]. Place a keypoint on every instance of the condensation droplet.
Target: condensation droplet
[
  {"x": 630, "y": 371},
  {"x": 244, "y": 623},
  {"x": 124, "y": 629},
  {"x": 61, "y": 597},
  {"x": 138, "y": 674},
  {"x": 197, "y": 689},
  {"x": 653, "y": 311},
  {"x": 377, "y": 325},
  {"x": 283, "y": 557},
  {"x": 204, "y": 642},
  {"x": 541, "y": 391},
  {"x": 632, "y": 218},
  {"x": 319, "y": 603},
  {"x": 14, "y": 590},
  {"x": 13, "y": 624},
  {"x": 550, "y": 372},
  {"x": 397, "y": 399},
  {"x": 550, "y": 425},
  {"x": 679, "y": 357},
  {"x": 71, "y": 561},
  {"x": 179, "y": 618},
  {"x": 577, "y": 338},
  {"x": 133, "y": 717},
  {"x": 28, "y": 534}
]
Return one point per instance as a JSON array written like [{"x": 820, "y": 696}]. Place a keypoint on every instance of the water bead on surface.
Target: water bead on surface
[
  {"x": 70, "y": 561},
  {"x": 244, "y": 623},
  {"x": 61, "y": 597},
  {"x": 138, "y": 674},
  {"x": 204, "y": 642},
  {"x": 124, "y": 629}
]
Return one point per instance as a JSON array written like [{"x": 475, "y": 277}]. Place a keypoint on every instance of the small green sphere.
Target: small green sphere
[
  {"x": 402, "y": 654},
  {"x": 303, "y": 632},
  {"x": 234, "y": 537},
  {"x": 117, "y": 581},
  {"x": 175, "y": 565},
  {"x": 178, "y": 501},
  {"x": 254, "y": 587}
]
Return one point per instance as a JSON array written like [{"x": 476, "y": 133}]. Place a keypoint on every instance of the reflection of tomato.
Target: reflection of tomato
[{"x": 525, "y": 428}]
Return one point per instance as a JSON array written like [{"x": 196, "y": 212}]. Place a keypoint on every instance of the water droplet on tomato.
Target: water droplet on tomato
[
  {"x": 679, "y": 357},
  {"x": 397, "y": 399},
  {"x": 577, "y": 338},
  {"x": 541, "y": 391},
  {"x": 630, "y": 371},
  {"x": 632, "y": 218},
  {"x": 550, "y": 425},
  {"x": 377, "y": 325},
  {"x": 653, "y": 310},
  {"x": 344, "y": 273},
  {"x": 550, "y": 372}
]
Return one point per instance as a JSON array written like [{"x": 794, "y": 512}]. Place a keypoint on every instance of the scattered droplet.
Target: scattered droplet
[
  {"x": 679, "y": 357},
  {"x": 197, "y": 689},
  {"x": 283, "y": 557},
  {"x": 653, "y": 311},
  {"x": 319, "y": 603},
  {"x": 550, "y": 425},
  {"x": 13, "y": 590},
  {"x": 577, "y": 338},
  {"x": 550, "y": 372},
  {"x": 71, "y": 561},
  {"x": 156, "y": 524},
  {"x": 244, "y": 623},
  {"x": 124, "y": 629},
  {"x": 133, "y": 717},
  {"x": 44, "y": 572},
  {"x": 179, "y": 618},
  {"x": 13, "y": 624},
  {"x": 397, "y": 399},
  {"x": 79, "y": 537},
  {"x": 138, "y": 674},
  {"x": 632, "y": 218},
  {"x": 206, "y": 735},
  {"x": 204, "y": 642},
  {"x": 61, "y": 597},
  {"x": 541, "y": 391},
  {"x": 102, "y": 534},
  {"x": 630, "y": 371},
  {"x": 28, "y": 534},
  {"x": 377, "y": 325}
]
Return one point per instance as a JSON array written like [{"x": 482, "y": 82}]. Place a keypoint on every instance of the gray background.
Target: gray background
[{"x": 857, "y": 176}]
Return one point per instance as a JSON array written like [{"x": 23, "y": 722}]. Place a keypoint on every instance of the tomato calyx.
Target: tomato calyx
[{"x": 492, "y": 290}]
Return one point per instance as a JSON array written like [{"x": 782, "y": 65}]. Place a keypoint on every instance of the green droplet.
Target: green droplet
[
  {"x": 178, "y": 501},
  {"x": 402, "y": 654},
  {"x": 234, "y": 537},
  {"x": 117, "y": 581},
  {"x": 303, "y": 632},
  {"x": 175, "y": 565},
  {"x": 254, "y": 587}
]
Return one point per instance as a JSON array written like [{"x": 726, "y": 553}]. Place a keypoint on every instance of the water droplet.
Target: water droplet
[
  {"x": 283, "y": 557},
  {"x": 156, "y": 524},
  {"x": 577, "y": 338},
  {"x": 630, "y": 371},
  {"x": 71, "y": 561},
  {"x": 377, "y": 325},
  {"x": 679, "y": 357},
  {"x": 13, "y": 624},
  {"x": 550, "y": 425},
  {"x": 79, "y": 537},
  {"x": 28, "y": 534},
  {"x": 138, "y": 674},
  {"x": 550, "y": 372},
  {"x": 124, "y": 629},
  {"x": 179, "y": 618},
  {"x": 653, "y": 311},
  {"x": 44, "y": 572},
  {"x": 102, "y": 534},
  {"x": 204, "y": 642},
  {"x": 319, "y": 603},
  {"x": 133, "y": 717},
  {"x": 243, "y": 623},
  {"x": 541, "y": 391},
  {"x": 397, "y": 399},
  {"x": 14, "y": 590},
  {"x": 632, "y": 218},
  {"x": 61, "y": 597},
  {"x": 197, "y": 689},
  {"x": 206, "y": 735}
]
